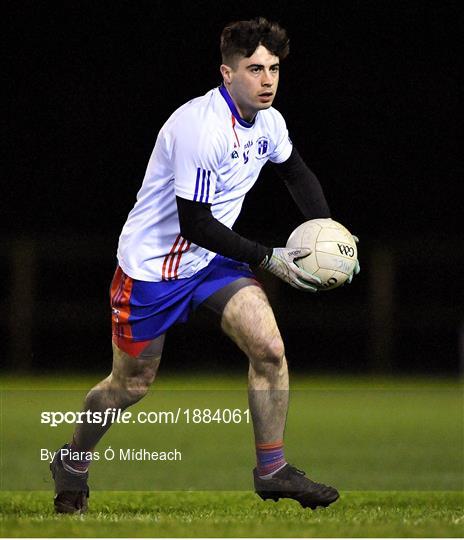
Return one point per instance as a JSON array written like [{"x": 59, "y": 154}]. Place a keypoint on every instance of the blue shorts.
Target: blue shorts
[{"x": 144, "y": 310}]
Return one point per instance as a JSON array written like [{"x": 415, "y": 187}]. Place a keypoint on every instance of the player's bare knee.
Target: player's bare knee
[
  {"x": 136, "y": 388},
  {"x": 268, "y": 355},
  {"x": 132, "y": 378},
  {"x": 132, "y": 388},
  {"x": 273, "y": 351}
]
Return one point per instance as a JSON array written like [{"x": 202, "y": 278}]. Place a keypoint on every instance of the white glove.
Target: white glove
[
  {"x": 282, "y": 264},
  {"x": 357, "y": 267}
]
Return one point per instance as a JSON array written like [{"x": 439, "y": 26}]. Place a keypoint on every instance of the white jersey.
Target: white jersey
[{"x": 205, "y": 152}]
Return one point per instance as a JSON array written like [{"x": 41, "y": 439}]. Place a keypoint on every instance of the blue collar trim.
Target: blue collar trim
[{"x": 233, "y": 109}]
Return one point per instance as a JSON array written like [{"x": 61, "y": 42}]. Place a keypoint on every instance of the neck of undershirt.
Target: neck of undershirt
[{"x": 233, "y": 109}]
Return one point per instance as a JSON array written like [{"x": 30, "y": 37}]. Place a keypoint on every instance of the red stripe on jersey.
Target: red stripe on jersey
[
  {"x": 169, "y": 256},
  {"x": 179, "y": 256},
  {"x": 233, "y": 129},
  {"x": 171, "y": 263}
]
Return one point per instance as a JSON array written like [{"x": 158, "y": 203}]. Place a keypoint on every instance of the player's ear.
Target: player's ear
[{"x": 226, "y": 72}]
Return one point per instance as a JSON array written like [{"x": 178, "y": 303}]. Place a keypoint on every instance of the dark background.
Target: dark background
[{"x": 370, "y": 93}]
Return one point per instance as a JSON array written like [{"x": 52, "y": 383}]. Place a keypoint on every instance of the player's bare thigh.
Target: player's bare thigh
[{"x": 249, "y": 320}]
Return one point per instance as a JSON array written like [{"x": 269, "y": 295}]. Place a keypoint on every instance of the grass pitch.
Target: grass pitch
[
  {"x": 238, "y": 514},
  {"x": 394, "y": 448}
]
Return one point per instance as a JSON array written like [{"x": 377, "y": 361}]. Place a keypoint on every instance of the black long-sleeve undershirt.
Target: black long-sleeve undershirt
[
  {"x": 198, "y": 224},
  {"x": 304, "y": 186}
]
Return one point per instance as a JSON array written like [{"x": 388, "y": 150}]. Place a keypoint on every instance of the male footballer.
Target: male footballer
[{"x": 177, "y": 251}]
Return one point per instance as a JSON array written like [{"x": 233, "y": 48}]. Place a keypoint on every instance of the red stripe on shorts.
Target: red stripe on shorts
[{"x": 121, "y": 288}]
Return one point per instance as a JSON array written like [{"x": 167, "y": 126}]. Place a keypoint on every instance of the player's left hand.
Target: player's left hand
[{"x": 357, "y": 267}]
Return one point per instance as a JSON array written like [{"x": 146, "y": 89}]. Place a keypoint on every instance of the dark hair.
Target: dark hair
[{"x": 242, "y": 38}]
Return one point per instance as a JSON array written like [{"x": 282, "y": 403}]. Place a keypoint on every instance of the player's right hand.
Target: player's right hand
[{"x": 282, "y": 264}]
